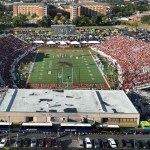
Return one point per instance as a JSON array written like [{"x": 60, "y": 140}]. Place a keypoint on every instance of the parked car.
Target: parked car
[
  {"x": 148, "y": 143},
  {"x": 119, "y": 143},
  {"x": 96, "y": 143},
  {"x": 55, "y": 141},
  {"x": 127, "y": 143},
  {"x": 105, "y": 143},
  {"x": 41, "y": 142},
  {"x": 26, "y": 142},
  {"x": 48, "y": 142},
  {"x": 112, "y": 143},
  {"x": 81, "y": 143},
  {"x": 3, "y": 142},
  {"x": 88, "y": 143},
  {"x": 58, "y": 142},
  {"x": 144, "y": 144},
  {"x": 33, "y": 142},
  {"x": 18, "y": 142},
  {"x": 136, "y": 144}
]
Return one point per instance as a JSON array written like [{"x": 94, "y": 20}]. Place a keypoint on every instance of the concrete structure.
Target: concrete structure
[
  {"x": 32, "y": 105},
  {"x": 40, "y": 9}
]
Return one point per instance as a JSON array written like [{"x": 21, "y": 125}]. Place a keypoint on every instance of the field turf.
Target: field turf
[{"x": 56, "y": 67}]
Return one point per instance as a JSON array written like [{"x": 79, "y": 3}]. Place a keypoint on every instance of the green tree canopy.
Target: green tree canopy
[
  {"x": 145, "y": 19},
  {"x": 55, "y": 19},
  {"x": 63, "y": 19},
  {"x": 20, "y": 20},
  {"x": 45, "y": 21}
]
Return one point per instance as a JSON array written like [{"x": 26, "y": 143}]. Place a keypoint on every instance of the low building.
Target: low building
[
  {"x": 40, "y": 9},
  {"x": 43, "y": 106},
  {"x": 137, "y": 17}
]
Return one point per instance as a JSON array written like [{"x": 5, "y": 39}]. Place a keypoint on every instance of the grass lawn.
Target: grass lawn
[{"x": 59, "y": 66}]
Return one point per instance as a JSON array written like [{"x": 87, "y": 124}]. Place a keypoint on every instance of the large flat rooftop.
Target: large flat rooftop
[{"x": 66, "y": 101}]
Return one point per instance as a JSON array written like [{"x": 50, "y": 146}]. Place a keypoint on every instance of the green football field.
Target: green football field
[{"x": 60, "y": 67}]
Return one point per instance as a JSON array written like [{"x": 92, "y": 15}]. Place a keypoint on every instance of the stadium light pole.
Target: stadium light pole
[
  {"x": 57, "y": 78},
  {"x": 134, "y": 137},
  {"x": 9, "y": 129},
  {"x": 79, "y": 76}
]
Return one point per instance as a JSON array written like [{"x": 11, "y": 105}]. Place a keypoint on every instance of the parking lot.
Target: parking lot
[{"x": 70, "y": 141}]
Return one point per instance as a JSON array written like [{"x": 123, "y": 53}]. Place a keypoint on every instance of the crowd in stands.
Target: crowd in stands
[
  {"x": 11, "y": 48},
  {"x": 123, "y": 45},
  {"x": 132, "y": 55}
]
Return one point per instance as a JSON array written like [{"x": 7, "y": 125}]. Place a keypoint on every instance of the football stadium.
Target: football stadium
[
  {"x": 70, "y": 68},
  {"x": 75, "y": 78}
]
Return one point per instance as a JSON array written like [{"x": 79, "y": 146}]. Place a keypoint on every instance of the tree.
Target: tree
[
  {"x": 85, "y": 21},
  {"x": 115, "y": 9},
  {"x": 2, "y": 7},
  {"x": 93, "y": 20},
  {"x": 20, "y": 20},
  {"x": 104, "y": 19},
  {"x": 40, "y": 23},
  {"x": 55, "y": 19},
  {"x": 76, "y": 21},
  {"x": 145, "y": 19},
  {"x": 16, "y": 21},
  {"x": 45, "y": 21},
  {"x": 63, "y": 19},
  {"x": 34, "y": 15}
]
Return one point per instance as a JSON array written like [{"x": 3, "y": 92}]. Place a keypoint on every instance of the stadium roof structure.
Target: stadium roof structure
[{"x": 66, "y": 101}]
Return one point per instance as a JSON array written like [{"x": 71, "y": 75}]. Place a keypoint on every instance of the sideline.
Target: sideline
[
  {"x": 100, "y": 71},
  {"x": 30, "y": 70}
]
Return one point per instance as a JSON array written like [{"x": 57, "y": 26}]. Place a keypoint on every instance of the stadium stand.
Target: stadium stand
[
  {"x": 11, "y": 49},
  {"x": 133, "y": 57}
]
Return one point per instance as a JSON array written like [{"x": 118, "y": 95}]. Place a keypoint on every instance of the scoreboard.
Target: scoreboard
[{"x": 62, "y": 29}]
